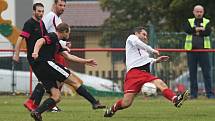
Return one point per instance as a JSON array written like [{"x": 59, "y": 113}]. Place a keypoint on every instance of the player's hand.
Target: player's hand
[
  {"x": 67, "y": 49},
  {"x": 16, "y": 58},
  {"x": 162, "y": 59},
  {"x": 156, "y": 52},
  {"x": 91, "y": 62},
  {"x": 35, "y": 55}
]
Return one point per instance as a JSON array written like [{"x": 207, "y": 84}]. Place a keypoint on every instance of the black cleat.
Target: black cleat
[
  {"x": 54, "y": 109},
  {"x": 98, "y": 105},
  {"x": 181, "y": 98},
  {"x": 37, "y": 116},
  {"x": 109, "y": 112}
]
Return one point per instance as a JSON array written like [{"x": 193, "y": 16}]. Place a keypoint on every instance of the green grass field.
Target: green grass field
[{"x": 78, "y": 109}]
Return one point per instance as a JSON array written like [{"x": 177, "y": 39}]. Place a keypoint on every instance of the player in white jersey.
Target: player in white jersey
[{"x": 138, "y": 64}]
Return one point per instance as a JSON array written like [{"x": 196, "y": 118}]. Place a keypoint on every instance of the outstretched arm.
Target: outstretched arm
[
  {"x": 90, "y": 62},
  {"x": 37, "y": 47},
  {"x": 140, "y": 44},
  {"x": 17, "y": 48},
  {"x": 161, "y": 59}
]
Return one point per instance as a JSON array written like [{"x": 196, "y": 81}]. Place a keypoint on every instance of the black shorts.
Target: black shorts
[{"x": 48, "y": 72}]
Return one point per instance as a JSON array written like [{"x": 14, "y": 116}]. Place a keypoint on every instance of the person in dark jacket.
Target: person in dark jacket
[{"x": 198, "y": 30}]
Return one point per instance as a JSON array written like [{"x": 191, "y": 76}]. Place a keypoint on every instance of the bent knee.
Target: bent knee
[
  {"x": 57, "y": 98},
  {"x": 159, "y": 84}
]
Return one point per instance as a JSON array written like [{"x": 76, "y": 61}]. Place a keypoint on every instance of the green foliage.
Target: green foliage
[
  {"x": 126, "y": 14},
  {"x": 164, "y": 15}
]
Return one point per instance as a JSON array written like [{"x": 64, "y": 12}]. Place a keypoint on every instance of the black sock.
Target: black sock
[
  {"x": 83, "y": 92},
  {"x": 37, "y": 94},
  {"x": 47, "y": 104}
]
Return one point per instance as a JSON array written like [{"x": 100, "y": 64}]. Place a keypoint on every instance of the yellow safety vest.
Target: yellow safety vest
[{"x": 189, "y": 38}]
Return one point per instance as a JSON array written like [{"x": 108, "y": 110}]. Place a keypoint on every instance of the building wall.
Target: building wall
[
  {"x": 106, "y": 68},
  {"x": 23, "y": 10},
  {"x": 9, "y": 14},
  {"x": 103, "y": 58}
]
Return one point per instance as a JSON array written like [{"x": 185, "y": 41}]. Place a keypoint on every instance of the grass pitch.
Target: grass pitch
[{"x": 78, "y": 109}]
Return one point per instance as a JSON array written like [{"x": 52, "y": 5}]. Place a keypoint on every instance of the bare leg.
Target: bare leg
[{"x": 123, "y": 103}]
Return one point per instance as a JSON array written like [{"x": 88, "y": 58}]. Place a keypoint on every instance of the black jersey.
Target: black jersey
[
  {"x": 32, "y": 31},
  {"x": 50, "y": 48}
]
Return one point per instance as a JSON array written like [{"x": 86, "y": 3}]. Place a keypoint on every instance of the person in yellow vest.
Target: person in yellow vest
[{"x": 198, "y": 30}]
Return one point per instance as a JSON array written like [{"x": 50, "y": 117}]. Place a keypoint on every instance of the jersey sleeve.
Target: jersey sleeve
[
  {"x": 141, "y": 45},
  {"x": 26, "y": 31},
  {"x": 48, "y": 39},
  {"x": 61, "y": 49}
]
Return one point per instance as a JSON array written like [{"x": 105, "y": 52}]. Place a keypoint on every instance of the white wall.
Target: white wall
[{"x": 9, "y": 14}]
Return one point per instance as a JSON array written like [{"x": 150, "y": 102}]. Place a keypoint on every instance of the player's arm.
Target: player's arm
[
  {"x": 17, "y": 48},
  {"x": 64, "y": 45},
  {"x": 90, "y": 62},
  {"x": 25, "y": 34},
  {"x": 37, "y": 47},
  {"x": 161, "y": 59},
  {"x": 140, "y": 44}
]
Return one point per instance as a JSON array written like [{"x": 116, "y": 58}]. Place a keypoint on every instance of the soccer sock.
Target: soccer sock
[
  {"x": 36, "y": 90},
  {"x": 117, "y": 106},
  {"x": 47, "y": 104},
  {"x": 38, "y": 94},
  {"x": 83, "y": 92},
  {"x": 169, "y": 94}
]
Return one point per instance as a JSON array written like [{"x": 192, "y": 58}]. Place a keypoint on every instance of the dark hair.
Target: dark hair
[
  {"x": 62, "y": 27},
  {"x": 36, "y": 5},
  {"x": 56, "y": 1},
  {"x": 138, "y": 29}
]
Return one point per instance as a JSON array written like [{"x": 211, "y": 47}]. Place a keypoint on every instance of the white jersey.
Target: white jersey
[
  {"x": 51, "y": 21},
  {"x": 137, "y": 52}
]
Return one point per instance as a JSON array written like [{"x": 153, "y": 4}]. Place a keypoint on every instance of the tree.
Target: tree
[{"x": 165, "y": 15}]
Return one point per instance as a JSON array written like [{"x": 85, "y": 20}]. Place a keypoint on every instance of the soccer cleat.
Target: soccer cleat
[
  {"x": 54, "y": 109},
  {"x": 109, "y": 112},
  {"x": 30, "y": 105},
  {"x": 98, "y": 105},
  {"x": 36, "y": 116},
  {"x": 181, "y": 98}
]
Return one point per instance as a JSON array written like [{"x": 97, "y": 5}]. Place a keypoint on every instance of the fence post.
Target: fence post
[{"x": 13, "y": 75}]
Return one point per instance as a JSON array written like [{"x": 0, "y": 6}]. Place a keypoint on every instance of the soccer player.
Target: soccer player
[
  {"x": 33, "y": 30},
  {"x": 138, "y": 65},
  {"x": 51, "y": 21},
  {"x": 49, "y": 72}
]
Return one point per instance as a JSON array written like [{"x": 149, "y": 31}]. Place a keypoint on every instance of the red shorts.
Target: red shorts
[
  {"x": 135, "y": 79},
  {"x": 60, "y": 60}
]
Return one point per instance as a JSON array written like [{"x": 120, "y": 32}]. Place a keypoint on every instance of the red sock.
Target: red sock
[
  {"x": 117, "y": 106},
  {"x": 169, "y": 94}
]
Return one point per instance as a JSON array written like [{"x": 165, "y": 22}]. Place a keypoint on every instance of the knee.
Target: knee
[
  {"x": 74, "y": 82},
  {"x": 56, "y": 96},
  {"x": 160, "y": 84}
]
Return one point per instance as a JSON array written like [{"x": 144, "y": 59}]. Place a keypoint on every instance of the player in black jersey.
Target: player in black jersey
[
  {"x": 49, "y": 72},
  {"x": 33, "y": 29}
]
